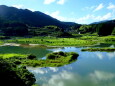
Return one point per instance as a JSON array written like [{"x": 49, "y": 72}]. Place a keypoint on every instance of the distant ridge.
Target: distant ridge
[{"x": 35, "y": 19}]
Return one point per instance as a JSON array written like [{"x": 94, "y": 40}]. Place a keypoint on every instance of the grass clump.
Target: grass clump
[
  {"x": 99, "y": 49},
  {"x": 6, "y": 56}
]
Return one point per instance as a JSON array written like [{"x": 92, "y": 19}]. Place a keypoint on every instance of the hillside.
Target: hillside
[
  {"x": 101, "y": 28},
  {"x": 13, "y": 21},
  {"x": 36, "y": 19}
]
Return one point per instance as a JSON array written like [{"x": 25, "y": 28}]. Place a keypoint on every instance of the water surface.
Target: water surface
[{"x": 91, "y": 68}]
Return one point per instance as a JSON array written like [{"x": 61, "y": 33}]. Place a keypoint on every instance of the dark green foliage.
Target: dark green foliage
[
  {"x": 51, "y": 30},
  {"x": 11, "y": 75},
  {"x": 99, "y": 49},
  {"x": 102, "y": 28},
  {"x": 85, "y": 29},
  {"x": 15, "y": 29},
  {"x": 31, "y": 56},
  {"x": 61, "y": 53},
  {"x": 4, "y": 37},
  {"x": 74, "y": 55},
  {"x": 105, "y": 29},
  {"x": 57, "y": 55},
  {"x": 51, "y": 56},
  {"x": 113, "y": 32}
]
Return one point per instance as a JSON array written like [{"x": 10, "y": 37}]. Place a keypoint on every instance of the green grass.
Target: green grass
[
  {"x": 57, "y": 60},
  {"x": 53, "y": 41},
  {"x": 6, "y": 56},
  {"x": 1, "y": 42},
  {"x": 99, "y": 49}
]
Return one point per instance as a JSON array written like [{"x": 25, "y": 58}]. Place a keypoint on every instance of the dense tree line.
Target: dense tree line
[
  {"x": 12, "y": 75},
  {"x": 102, "y": 29}
]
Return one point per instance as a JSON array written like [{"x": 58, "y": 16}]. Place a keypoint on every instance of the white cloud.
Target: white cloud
[
  {"x": 111, "y": 6},
  {"x": 56, "y": 15},
  {"x": 107, "y": 16},
  {"x": 99, "y": 7},
  {"x": 104, "y": 17},
  {"x": 88, "y": 8},
  {"x": 82, "y": 20},
  {"x": 88, "y": 17},
  {"x": 49, "y": 1},
  {"x": 18, "y": 6},
  {"x": 22, "y": 7},
  {"x": 61, "y": 2}
]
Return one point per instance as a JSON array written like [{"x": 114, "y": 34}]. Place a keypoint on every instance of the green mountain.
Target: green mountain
[
  {"x": 14, "y": 21},
  {"x": 36, "y": 19}
]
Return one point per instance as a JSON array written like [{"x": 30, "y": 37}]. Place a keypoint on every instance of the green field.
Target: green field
[{"x": 52, "y": 41}]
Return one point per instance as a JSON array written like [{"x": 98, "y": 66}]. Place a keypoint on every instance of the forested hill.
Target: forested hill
[
  {"x": 36, "y": 19},
  {"x": 101, "y": 28},
  {"x": 14, "y": 21}
]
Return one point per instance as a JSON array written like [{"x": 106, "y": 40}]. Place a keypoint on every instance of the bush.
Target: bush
[
  {"x": 31, "y": 56},
  {"x": 74, "y": 55},
  {"x": 51, "y": 56},
  {"x": 61, "y": 53}
]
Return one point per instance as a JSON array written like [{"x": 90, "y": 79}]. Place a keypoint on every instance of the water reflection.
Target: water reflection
[
  {"x": 91, "y": 69},
  {"x": 97, "y": 78},
  {"x": 111, "y": 55},
  {"x": 103, "y": 55},
  {"x": 102, "y": 76}
]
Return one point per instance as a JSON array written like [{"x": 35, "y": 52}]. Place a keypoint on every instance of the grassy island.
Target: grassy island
[
  {"x": 55, "y": 59},
  {"x": 99, "y": 49},
  {"x": 13, "y": 66}
]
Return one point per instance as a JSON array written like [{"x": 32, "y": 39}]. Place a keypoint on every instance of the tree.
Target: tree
[
  {"x": 11, "y": 75},
  {"x": 113, "y": 32}
]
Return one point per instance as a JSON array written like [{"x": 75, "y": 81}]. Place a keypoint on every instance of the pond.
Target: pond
[
  {"x": 91, "y": 68},
  {"x": 39, "y": 52}
]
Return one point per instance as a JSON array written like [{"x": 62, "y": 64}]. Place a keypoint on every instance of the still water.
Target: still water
[{"x": 91, "y": 68}]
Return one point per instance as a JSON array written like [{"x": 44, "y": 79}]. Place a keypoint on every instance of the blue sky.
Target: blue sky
[{"x": 79, "y": 11}]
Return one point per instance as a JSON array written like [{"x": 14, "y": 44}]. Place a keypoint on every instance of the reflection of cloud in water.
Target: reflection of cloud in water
[
  {"x": 98, "y": 78},
  {"x": 112, "y": 46},
  {"x": 54, "y": 69},
  {"x": 37, "y": 70},
  {"x": 62, "y": 79},
  {"x": 55, "y": 50},
  {"x": 109, "y": 55},
  {"x": 100, "y": 55},
  {"x": 42, "y": 70},
  {"x": 100, "y": 75}
]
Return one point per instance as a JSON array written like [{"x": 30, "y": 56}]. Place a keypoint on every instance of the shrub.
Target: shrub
[
  {"x": 31, "y": 56},
  {"x": 51, "y": 56},
  {"x": 74, "y": 55},
  {"x": 61, "y": 53}
]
